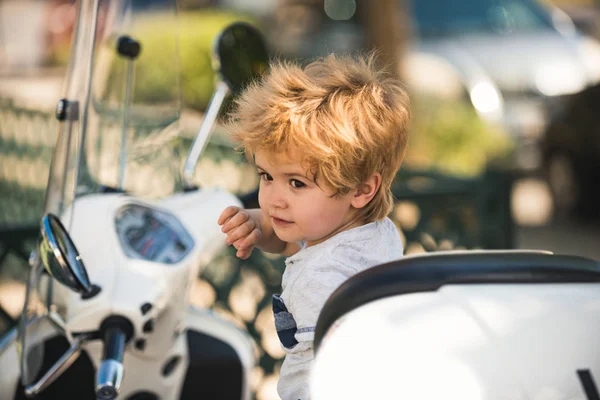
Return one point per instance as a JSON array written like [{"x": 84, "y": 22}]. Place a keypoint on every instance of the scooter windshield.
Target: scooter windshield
[{"x": 118, "y": 127}]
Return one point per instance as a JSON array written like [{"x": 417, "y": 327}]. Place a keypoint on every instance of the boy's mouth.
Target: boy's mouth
[{"x": 281, "y": 222}]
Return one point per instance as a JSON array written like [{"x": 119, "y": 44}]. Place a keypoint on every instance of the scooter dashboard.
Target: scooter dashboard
[{"x": 152, "y": 235}]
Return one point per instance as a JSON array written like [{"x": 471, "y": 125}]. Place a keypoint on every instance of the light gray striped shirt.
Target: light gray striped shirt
[{"x": 310, "y": 277}]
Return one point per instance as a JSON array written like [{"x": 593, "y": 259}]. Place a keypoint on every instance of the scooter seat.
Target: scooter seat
[{"x": 429, "y": 272}]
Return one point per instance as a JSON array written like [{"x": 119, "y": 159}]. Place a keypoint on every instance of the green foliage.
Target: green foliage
[
  {"x": 161, "y": 36},
  {"x": 451, "y": 137},
  {"x": 197, "y": 31}
]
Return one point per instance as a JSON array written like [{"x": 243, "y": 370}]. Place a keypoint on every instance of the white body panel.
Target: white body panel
[
  {"x": 143, "y": 372},
  {"x": 150, "y": 377},
  {"x": 127, "y": 283},
  {"x": 467, "y": 342}
]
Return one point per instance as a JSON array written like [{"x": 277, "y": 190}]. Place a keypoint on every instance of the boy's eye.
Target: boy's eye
[
  {"x": 296, "y": 184},
  {"x": 265, "y": 177}
]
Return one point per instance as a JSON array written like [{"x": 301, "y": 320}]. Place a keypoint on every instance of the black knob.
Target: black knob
[
  {"x": 66, "y": 109},
  {"x": 148, "y": 326},
  {"x": 128, "y": 47},
  {"x": 145, "y": 308},
  {"x": 170, "y": 365},
  {"x": 140, "y": 344},
  {"x": 61, "y": 109}
]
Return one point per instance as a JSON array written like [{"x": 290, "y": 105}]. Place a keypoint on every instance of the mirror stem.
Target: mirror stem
[
  {"x": 59, "y": 367},
  {"x": 125, "y": 124},
  {"x": 210, "y": 117}
]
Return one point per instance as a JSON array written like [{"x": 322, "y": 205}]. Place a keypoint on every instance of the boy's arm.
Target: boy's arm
[{"x": 269, "y": 242}]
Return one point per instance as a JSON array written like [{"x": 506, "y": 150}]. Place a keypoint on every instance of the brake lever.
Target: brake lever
[{"x": 59, "y": 367}]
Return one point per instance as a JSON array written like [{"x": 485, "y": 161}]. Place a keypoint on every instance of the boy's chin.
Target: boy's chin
[{"x": 287, "y": 236}]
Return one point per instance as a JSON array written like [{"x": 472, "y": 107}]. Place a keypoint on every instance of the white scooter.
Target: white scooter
[
  {"x": 474, "y": 325},
  {"x": 106, "y": 312}
]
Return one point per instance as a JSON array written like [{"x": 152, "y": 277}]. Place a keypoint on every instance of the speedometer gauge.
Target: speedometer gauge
[{"x": 152, "y": 235}]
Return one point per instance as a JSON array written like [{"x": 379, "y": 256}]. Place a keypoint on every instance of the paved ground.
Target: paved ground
[
  {"x": 538, "y": 229},
  {"x": 562, "y": 237}
]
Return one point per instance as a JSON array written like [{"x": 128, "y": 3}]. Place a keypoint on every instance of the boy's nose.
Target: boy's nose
[{"x": 277, "y": 199}]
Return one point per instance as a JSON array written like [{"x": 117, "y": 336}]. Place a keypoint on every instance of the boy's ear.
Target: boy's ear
[{"x": 366, "y": 191}]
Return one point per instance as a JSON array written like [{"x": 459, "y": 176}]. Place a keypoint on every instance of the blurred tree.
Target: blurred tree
[
  {"x": 385, "y": 23},
  {"x": 387, "y": 29}
]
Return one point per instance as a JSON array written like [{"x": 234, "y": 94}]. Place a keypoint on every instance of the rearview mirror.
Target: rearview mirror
[
  {"x": 60, "y": 256},
  {"x": 240, "y": 55}
]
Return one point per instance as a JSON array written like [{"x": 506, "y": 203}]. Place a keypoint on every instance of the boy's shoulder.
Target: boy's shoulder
[
  {"x": 321, "y": 269},
  {"x": 368, "y": 238},
  {"x": 355, "y": 249}
]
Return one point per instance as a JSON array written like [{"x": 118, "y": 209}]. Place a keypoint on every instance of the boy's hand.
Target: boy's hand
[{"x": 243, "y": 231}]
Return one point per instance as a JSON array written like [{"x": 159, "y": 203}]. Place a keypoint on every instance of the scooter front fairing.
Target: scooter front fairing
[
  {"x": 139, "y": 226},
  {"x": 110, "y": 137}
]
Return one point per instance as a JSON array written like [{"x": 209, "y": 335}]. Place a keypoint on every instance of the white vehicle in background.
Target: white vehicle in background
[{"x": 512, "y": 59}]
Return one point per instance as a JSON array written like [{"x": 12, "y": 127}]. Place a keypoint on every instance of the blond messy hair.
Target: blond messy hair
[{"x": 347, "y": 119}]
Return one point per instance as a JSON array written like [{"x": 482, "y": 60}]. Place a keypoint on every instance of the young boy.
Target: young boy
[{"x": 327, "y": 141}]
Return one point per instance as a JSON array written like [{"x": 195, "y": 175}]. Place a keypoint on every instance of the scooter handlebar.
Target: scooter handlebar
[{"x": 110, "y": 373}]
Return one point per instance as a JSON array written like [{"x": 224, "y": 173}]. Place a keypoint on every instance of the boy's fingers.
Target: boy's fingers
[
  {"x": 253, "y": 237},
  {"x": 238, "y": 233},
  {"x": 245, "y": 236},
  {"x": 244, "y": 254},
  {"x": 227, "y": 213},
  {"x": 235, "y": 221},
  {"x": 242, "y": 243}
]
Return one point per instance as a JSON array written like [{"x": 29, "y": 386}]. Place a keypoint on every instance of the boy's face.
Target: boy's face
[{"x": 297, "y": 208}]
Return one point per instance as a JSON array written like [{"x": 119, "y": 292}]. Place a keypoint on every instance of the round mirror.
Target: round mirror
[
  {"x": 60, "y": 256},
  {"x": 241, "y": 55}
]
